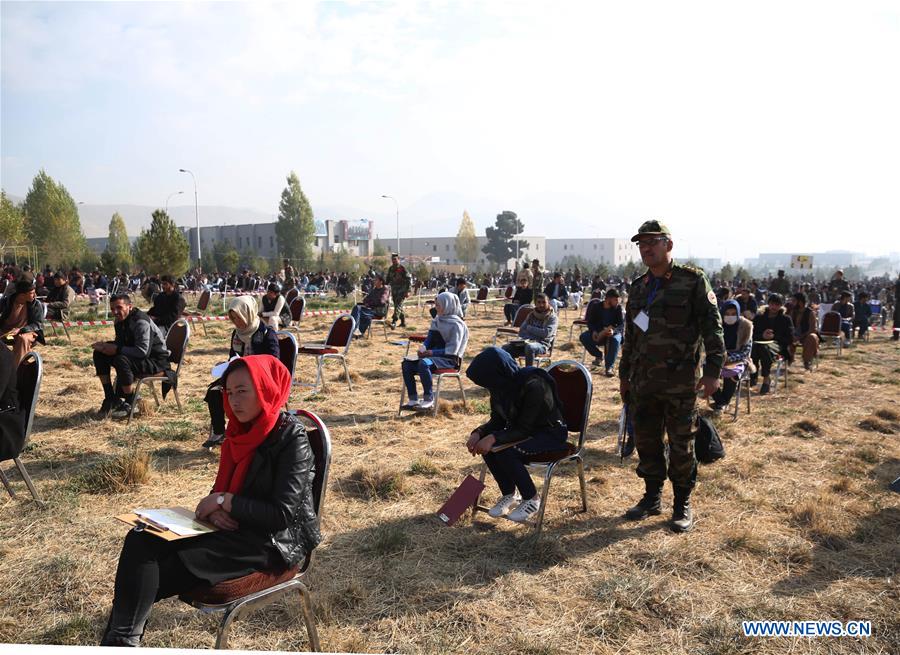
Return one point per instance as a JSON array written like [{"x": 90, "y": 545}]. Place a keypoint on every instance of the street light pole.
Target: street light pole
[
  {"x": 398, "y": 221},
  {"x": 196, "y": 210},
  {"x": 174, "y": 193}
]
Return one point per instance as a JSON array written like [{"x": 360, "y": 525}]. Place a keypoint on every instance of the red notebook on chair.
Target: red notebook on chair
[{"x": 462, "y": 499}]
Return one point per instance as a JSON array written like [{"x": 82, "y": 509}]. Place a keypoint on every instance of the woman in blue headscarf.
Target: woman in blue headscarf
[
  {"x": 738, "y": 332},
  {"x": 443, "y": 348},
  {"x": 526, "y": 418}
]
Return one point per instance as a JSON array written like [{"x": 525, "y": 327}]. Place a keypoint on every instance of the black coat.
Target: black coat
[
  {"x": 167, "y": 308},
  {"x": 12, "y": 418}
]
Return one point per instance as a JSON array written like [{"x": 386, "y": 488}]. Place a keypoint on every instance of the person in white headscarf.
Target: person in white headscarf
[{"x": 443, "y": 348}]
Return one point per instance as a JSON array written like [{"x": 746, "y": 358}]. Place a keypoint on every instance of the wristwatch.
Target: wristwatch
[{"x": 220, "y": 500}]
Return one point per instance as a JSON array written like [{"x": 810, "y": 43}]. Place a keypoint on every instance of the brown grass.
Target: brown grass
[{"x": 786, "y": 528}]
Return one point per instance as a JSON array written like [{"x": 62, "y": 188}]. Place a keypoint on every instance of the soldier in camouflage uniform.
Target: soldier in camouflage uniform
[
  {"x": 400, "y": 282},
  {"x": 671, "y": 313}
]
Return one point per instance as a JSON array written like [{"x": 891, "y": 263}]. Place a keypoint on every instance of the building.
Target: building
[
  {"x": 610, "y": 251},
  {"x": 442, "y": 250},
  {"x": 831, "y": 259}
]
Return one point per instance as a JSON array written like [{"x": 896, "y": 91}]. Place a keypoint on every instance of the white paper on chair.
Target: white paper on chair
[{"x": 219, "y": 369}]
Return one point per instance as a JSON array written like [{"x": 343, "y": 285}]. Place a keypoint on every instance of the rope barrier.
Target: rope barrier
[{"x": 189, "y": 319}]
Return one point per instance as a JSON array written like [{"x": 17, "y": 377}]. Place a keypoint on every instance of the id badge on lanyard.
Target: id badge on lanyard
[{"x": 642, "y": 320}]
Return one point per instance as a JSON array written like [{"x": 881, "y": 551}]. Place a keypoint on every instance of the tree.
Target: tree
[
  {"x": 500, "y": 246},
  {"x": 727, "y": 273},
  {"x": 379, "y": 250},
  {"x": 466, "y": 242},
  {"x": 52, "y": 223},
  {"x": 226, "y": 256},
  {"x": 117, "y": 255},
  {"x": 12, "y": 223},
  {"x": 162, "y": 249},
  {"x": 295, "y": 228}
]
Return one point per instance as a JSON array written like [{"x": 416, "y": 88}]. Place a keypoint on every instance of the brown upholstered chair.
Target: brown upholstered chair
[
  {"x": 29, "y": 375},
  {"x": 512, "y": 331},
  {"x": 176, "y": 342},
  {"x": 233, "y": 598},
  {"x": 287, "y": 353},
  {"x": 336, "y": 346},
  {"x": 200, "y": 312}
]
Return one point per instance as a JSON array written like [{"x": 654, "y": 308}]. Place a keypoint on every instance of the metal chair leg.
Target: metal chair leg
[
  {"x": 137, "y": 388},
  {"x": 309, "y": 618},
  {"x": 462, "y": 391},
  {"x": 177, "y": 398},
  {"x": 583, "y": 483},
  {"x": 545, "y": 491},
  {"x": 437, "y": 395},
  {"x": 224, "y": 630},
  {"x": 402, "y": 396},
  {"x": 155, "y": 395},
  {"x": 481, "y": 477},
  {"x": 5, "y": 481},
  {"x": 347, "y": 373},
  {"x": 27, "y": 478}
]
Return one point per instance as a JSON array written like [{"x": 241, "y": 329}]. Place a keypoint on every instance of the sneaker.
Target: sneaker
[
  {"x": 525, "y": 510},
  {"x": 214, "y": 440},
  {"x": 764, "y": 389},
  {"x": 808, "y": 366},
  {"x": 608, "y": 372},
  {"x": 427, "y": 403},
  {"x": 504, "y": 505},
  {"x": 105, "y": 408},
  {"x": 412, "y": 403},
  {"x": 122, "y": 409},
  {"x": 597, "y": 363}
]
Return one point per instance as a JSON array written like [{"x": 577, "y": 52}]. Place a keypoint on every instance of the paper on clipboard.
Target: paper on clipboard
[
  {"x": 219, "y": 369},
  {"x": 176, "y": 520}
]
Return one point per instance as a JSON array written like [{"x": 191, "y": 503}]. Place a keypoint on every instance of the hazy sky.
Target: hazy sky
[{"x": 746, "y": 126}]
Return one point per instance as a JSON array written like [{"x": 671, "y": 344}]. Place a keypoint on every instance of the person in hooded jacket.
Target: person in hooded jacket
[
  {"x": 250, "y": 337},
  {"x": 261, "y": 503},
  {"x": 738, "y": 333},
  {"x": 526, "y": 419},
  {"x": 443, "y": 348}
]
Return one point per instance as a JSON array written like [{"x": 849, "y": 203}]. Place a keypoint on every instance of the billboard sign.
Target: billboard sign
[{"x": 802, "y": 262}]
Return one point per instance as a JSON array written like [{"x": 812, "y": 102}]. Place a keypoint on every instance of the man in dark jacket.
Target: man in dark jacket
[
  {"x": 60, "y": 298},
  {"x": 139, "y": 349},
  {"x": 375, "y": 304},
  {"x": 773, "y": 333},
  {"x": 606, "y": 323},
  {"x": 557, "y": 293},
  {"x": 168, "y": 305},
  {"x": 21, "y": 319}
]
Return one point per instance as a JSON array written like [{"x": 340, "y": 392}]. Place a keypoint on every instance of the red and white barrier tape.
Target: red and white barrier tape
[{"x": 191, "y": 319}]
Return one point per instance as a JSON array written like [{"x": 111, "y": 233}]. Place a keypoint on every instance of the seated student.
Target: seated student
[
  {"x": 168, "y": 304},
  {"x": 557, "y": 293},
  {"x": 605, "y": 328},
  {"x": 60, "y": 297},
  {"x": 374, "y": 304},
  {"x": 21, "y": 319},
  {"x": 862, "y": 314},
  {"x": 848, "y": 313},
  {"x": 522, "y": 296},
  {"x": 261, "y": 503},
  {"x": 738, "y": 332},
  {"x": 576, "y": 291},
  {"x": 139, "y": 348},
  {"x": 538, "y": 331},
  {"x": 275, "y": 311},
  {"x": 806, "y": 325},
  {"x": 250, "y": 337},
  {"x": 444, "y": 347},
  {"x": 462, "y": 290},
  {"x": 773, "y": 333},
  {"x": 748, "y": 304},
  {"x": 12, "y": 418},
  {"x": 525, "y": 411}
]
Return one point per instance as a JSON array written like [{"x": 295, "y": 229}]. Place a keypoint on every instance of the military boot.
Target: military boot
[
  {"x": 682, "y": 516},
  {"x": 649, "y": 505}
]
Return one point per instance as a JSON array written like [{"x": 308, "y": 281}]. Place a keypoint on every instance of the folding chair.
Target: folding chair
[
  {"x": 200, "y": 311},
  {"x": 29, "y": 375},
  {"x": 743, "y": 381},
  {"x": 781, "y": 371},
  {"x": 287, "y": 352},
  {"x": 297, "y": 306},
  {"x": 437, "y": 375},
  {"x": 292, "y": 293},
  {"x": 480, "y": 299},
  {"x": 583, "y": 321},
  {"x": 512, "y": 331},
  {"x": 176, "y": 342},
  {"x": 380, "y": 319},
  {"x": 336, "y": 346},
  {"x": 575, "y": 389},
  {"x": 234, "y": 598},
  {"x": 831, "y": 331}
]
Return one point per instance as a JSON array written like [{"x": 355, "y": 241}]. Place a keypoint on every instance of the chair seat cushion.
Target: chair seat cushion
[
  {"x": 442, "y": 371},
  {"x": 316, "y": 350},
  {"x": 507, "y": 330},
  {"x": 579, "y": 321},
  {"x": 231, "y": 590},
  {"x": 418, "y": 338},
  {"x": 552, "y": 455}
]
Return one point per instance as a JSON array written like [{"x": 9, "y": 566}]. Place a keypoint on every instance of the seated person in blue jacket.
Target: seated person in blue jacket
[
  {"x": 462, "y": 290},
  {"x": 522, "y": 296},
  {"x": 443, "y": 348},
  {"x": 261, "y": 503},
  {"x": 557, "y": 293},
  {"x": 374, "y": 305},
  {"x": 738, "y": 331},
  {"x": 606, "y": 322},
  {"x": 250, "y": 336},
  {"x": 525, "y": 412},
  {"x": 537, "y": 332},
  {"x": 862, "y": 314},
  {"x": 848, "y": 313}
]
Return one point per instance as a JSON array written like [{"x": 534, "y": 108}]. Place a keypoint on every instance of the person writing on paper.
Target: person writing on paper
[
  {"x": 525, "y": 412},
  {"x": 250, "y": 337},
  {"x": 261, "y": 503},
  {"x": 443, "y": 348}
]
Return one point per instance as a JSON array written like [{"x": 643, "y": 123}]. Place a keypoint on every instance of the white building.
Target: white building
[
  {"x": 610, "y": 251},
  {"x": 442, "y": 250}
]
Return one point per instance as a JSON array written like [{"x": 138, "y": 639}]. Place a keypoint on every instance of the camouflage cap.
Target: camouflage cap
[{"x": 652, "y": 227}]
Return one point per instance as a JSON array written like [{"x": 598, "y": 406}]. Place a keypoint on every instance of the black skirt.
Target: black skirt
[{"x": 225, "y": 555}]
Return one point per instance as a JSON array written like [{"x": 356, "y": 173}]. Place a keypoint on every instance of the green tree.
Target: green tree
[
  {"x": 727, "y": 273},
  {"x": 162, "y": 249},
  {"x": 12, "y": 223},
  {"x": 226, "y": 257},
  {"x": 466, "y": 242},
  {"x": 501, "y": 244},
  {"x": 117, "y": 254},
  {"x": 52, "y": 223},
  {"x": 295, "y": 228},
  {"x": 379, "y": 250}
]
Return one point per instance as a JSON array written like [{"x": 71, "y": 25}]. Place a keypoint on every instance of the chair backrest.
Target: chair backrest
[
  {"x": 177, "y": 341},
  {"x": 482, "y": 293},
  {"x": 203, "y": 300},
  {"x": 287, "y": 350},
  {"x": 341, "y": 333},
  {"x": 509, "y": 292},
  {"x": 320, "y": 441},
  {"x": 521, "y": 314},
  {"x": 290, "y": 295},
  {"x": 297, "y": 305},
  {"x": 575, "y": 389},
  {"x": 831, "y": 324},
  {"x": 28, "y": 383}
]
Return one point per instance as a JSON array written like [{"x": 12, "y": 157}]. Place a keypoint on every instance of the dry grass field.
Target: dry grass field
[{"x": 795, "y": 523}]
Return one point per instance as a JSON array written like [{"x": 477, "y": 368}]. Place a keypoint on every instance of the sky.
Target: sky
[{"x": 746, "y": 127}]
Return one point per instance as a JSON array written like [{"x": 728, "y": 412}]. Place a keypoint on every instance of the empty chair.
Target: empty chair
[
  {"x": 29, "y": 375},
  {"x": 199, "y": 313},
  {"x": 336, "y": 346},
  {"x": 176, "y": 343}
]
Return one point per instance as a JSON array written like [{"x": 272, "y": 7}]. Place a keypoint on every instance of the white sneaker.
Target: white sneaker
[
  {"x": 504, "y": 505},
  {"x": 427, "y": 404},
  {"x": 525, "y": 510},
  {"x": 411, "y": 404}
]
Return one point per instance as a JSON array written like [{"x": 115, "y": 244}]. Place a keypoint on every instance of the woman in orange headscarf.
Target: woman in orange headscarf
[{"x": 261, "y": 502}]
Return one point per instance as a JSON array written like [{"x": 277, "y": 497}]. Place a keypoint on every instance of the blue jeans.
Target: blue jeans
[
  {"x": 527, "y": 350},
  {"x": 363, "y": 317},
  {"x": 847, "y": 328},
  {"x": 410, "y": 370},
  {"x": 611, "y": 343}
]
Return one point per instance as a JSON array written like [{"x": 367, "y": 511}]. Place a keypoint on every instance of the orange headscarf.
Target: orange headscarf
[{"x": 272, "y": 382}]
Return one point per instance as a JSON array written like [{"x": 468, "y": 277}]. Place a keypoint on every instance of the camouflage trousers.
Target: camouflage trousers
[
  {"x": 397, "y": 301},
  {"x": 655, "y": 416}
]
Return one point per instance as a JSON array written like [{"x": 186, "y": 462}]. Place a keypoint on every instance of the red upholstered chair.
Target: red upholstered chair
[
  {"x": 290, "y": 295},
  {"x": 29, "y": 375},
  {"x": 830, "y": 332},
  {"x": 297, "y": 305},
  {"x": 508, "y": 294},
  {"x": 234, "y": 598},
  {"x": 200, "y": 312},
  {"x": 287, "y": 353},
  {"x": 575, "y": 389},
  {"x": 583, "y": 321},
  {"x": 437, "y": 376},
  {"x": 480, "y": 299},
  {"x": 336, "y": 346},
  {"x": 176, "y": 342},
  {"x": 513, "y": 330}
]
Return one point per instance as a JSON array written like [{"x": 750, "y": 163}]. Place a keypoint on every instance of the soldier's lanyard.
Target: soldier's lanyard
[{"x": 642, "y": 320}]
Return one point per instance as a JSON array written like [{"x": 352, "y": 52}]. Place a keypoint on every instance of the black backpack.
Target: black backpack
[{"x": 707, "y": 444}]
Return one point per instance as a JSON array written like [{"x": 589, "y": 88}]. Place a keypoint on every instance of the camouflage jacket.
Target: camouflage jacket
[
  {"x": 399, "y": 279},
  {"x": 683, "y": 315}
]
